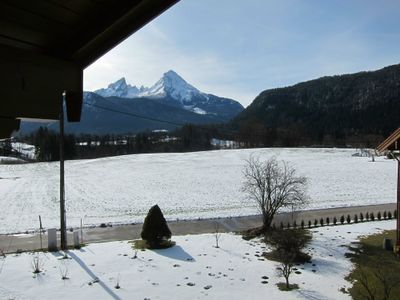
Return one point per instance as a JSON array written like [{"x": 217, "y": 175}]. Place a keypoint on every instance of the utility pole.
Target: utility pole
[{"x": 62, "y": 187}]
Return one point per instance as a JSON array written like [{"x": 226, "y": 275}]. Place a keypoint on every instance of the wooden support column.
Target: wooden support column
[
  {"x": 398, "y": 205},
  {"x": 63, "y": 224}
]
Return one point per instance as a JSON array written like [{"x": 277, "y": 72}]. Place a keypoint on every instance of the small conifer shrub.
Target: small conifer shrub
[
  {"x": 385, "y": 214},
  {"x": 334, "y": 220},
  {"x": 367, "y": 216},
  {"x": 355, "y": 218},
  {"x": 389, "y": 215},
  {"x": 379, "y": 216},
  {"x": 341, "y": 219},
  {"x": 282, "y": 225},
  {"x": 395, "y": 214},
  {"x": 372, "y": 216},
  {"x": 321, "y": 221},
  {"x": 155, "y": 230},
  {"x": 361, "y": 217},
  {"x": 302, "y": 224},
  {"x": 315, "y": 223},
  {"x": 348, "y": 219},
  {"x": 288, "y": 225},
  {"x": 309, "y": 223}
]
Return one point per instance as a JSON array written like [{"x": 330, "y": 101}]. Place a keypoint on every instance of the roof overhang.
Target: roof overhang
[
  {"x": 392, "y": 143},
  {"x": 46, "y": 44}
]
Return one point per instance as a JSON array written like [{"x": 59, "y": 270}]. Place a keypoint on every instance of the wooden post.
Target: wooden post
[
  {"x": 63, "y": 224},
  {"x": 81, "y": 232},
  {"x": 40, "y": 233}
]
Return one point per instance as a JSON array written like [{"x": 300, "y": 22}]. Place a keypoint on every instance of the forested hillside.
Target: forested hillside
[{"x": 353, "y": 109}]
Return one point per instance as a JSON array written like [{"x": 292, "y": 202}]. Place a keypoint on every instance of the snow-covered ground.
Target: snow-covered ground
[
  {"x": 184, "y": 185},
  {"x": 193, "y": 269}
]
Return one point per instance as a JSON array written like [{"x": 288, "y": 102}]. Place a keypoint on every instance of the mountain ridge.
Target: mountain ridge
[{"x": 331, "y": 110}]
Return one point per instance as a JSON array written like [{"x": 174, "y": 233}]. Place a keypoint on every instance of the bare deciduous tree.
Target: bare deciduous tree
[
  {"x": 273, "y": 185},
  {"x": 286, "y": 266},
  {"x": 288, "y": 245}
]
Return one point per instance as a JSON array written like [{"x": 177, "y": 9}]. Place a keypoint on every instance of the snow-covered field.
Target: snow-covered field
[
  {"x": 193, "y": 269},
  {"x": 184, "y": 185}
]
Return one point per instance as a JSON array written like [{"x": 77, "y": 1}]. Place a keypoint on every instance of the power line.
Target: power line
[
  {"x": 155, "y": 119},
  {"x": 136, "y": 115}
]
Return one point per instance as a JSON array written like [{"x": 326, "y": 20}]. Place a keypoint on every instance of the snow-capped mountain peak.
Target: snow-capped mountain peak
[
  {"x": 173, "y": 85},
  {"x": 173, "y": 90},
  {"x": 119, "y": 84},
  {"x": 170, "y": 84},
  {"x": 119, "y": 89}
]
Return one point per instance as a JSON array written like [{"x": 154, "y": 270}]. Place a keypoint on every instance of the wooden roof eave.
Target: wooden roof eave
[{"x": 391, "y": 140}]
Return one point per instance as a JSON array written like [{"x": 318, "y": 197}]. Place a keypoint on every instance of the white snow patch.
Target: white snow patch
[{"x": 199, "y": 111}]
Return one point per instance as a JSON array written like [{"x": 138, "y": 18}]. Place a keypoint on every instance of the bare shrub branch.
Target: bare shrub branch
[
  {"x": 217, "y": 233},
  {"x": 37, "y": 264}
]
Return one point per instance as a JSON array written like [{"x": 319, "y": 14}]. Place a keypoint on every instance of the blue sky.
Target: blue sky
[{"x": 236, "y": 48}]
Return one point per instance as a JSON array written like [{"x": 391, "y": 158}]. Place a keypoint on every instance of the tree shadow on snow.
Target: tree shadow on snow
[
  {"x": 94, "y": 277},
  {"x": 325, "y": 266},
  {"x": 312, "y": 295},
  {"x": 175, "y": 252}
]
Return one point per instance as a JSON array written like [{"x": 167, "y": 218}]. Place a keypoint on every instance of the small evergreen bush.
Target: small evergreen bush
[
  {"x": 321, "y": 221},
  {"x": 309, "y": 223},
  {"x": 389, "y": 215},
  {"x": 334, "y": 220},
  {"x": 302, "y": 224},
  {"x": 361, "y": 217},
  {"x": 379, "y": 216},
  {"x": 348, "y": 219},
  {"x": 155, "y": 230},
  {"x": 395, "y": 214},
  {"x": 367, "y": 216},
  {"x": 372, "y": 216},
  {"x": 385, "y": 215},
  {"x": 315, "y": 223},
  {"x": 341, "y": 219},
  {"x": 327, "y": 221},
  {"x": 288, "y": 225},
  {"x": 282, "y": 225},
  {"x": 355, "y": 218}
]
